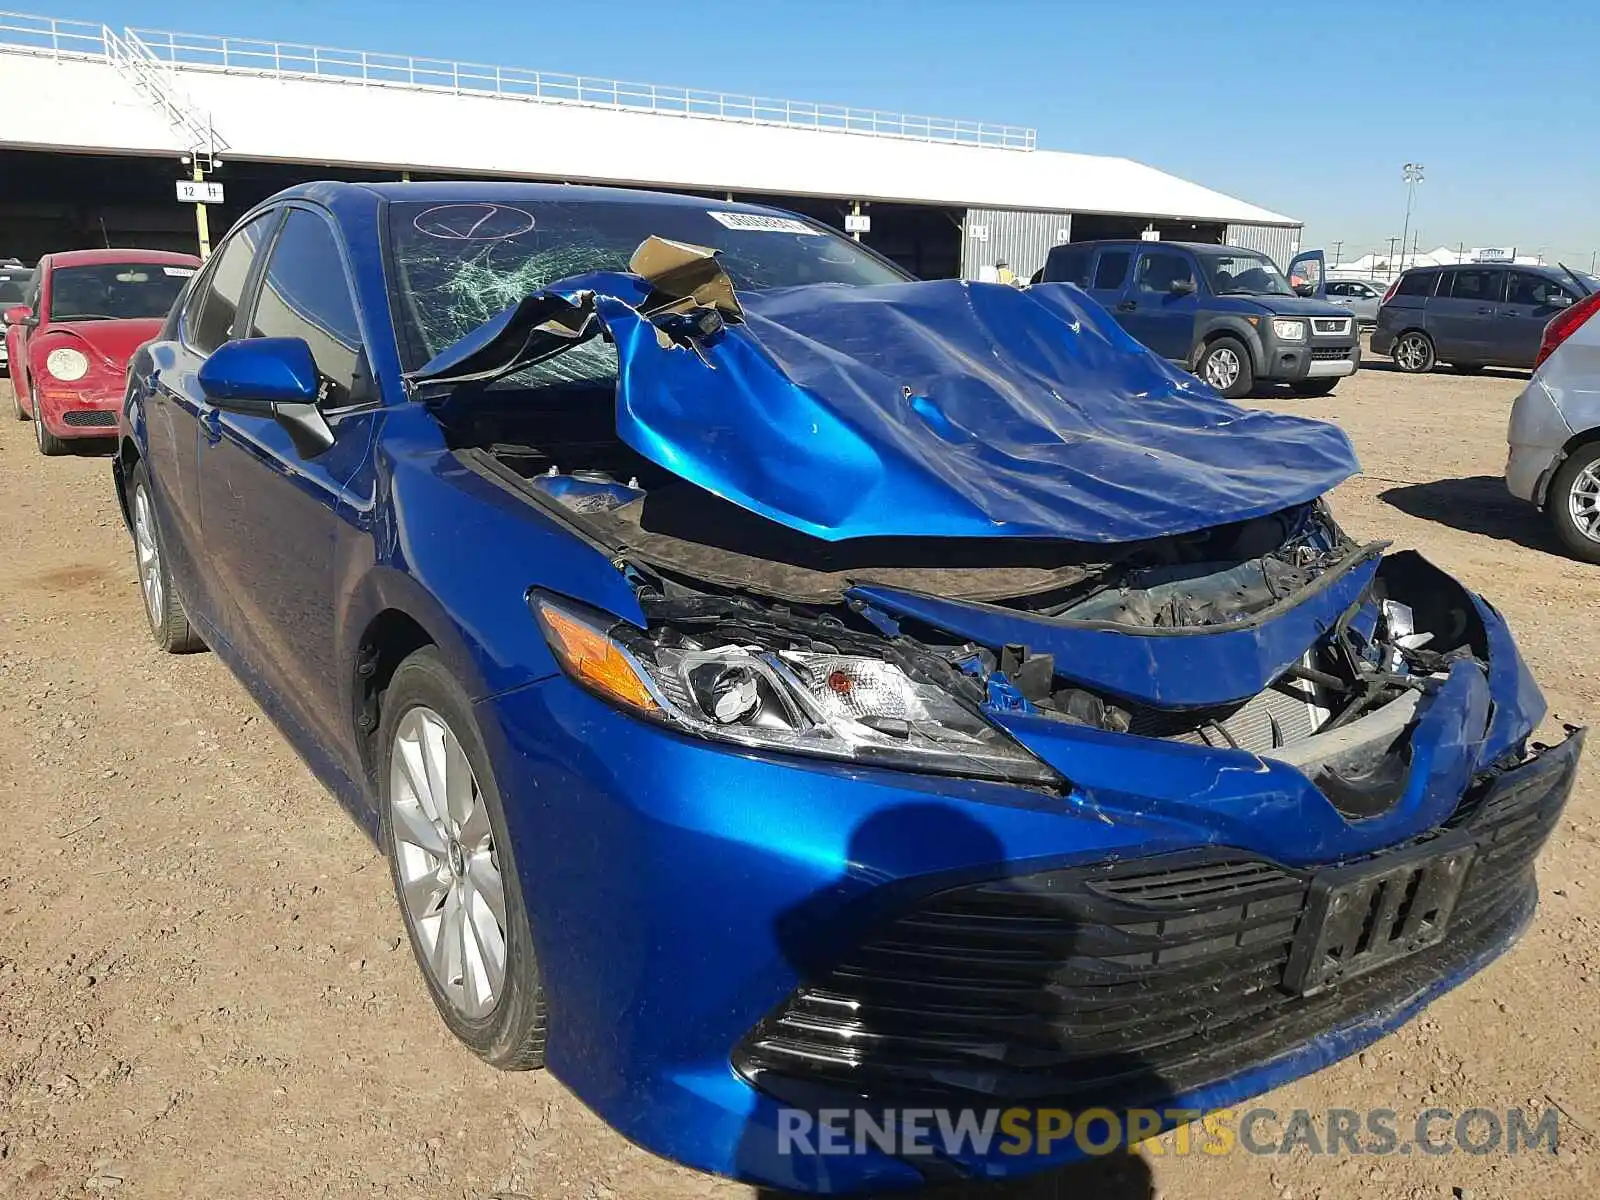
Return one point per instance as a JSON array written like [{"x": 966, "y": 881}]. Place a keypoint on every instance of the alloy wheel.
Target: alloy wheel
[
  {"x": 1583, "y": 502},
  {"x": 1412, "y": 353},
  {"x": 149, "y": 557},
  {"x": 1222, "y": 368},
  {"x": 451, "y": 889}
]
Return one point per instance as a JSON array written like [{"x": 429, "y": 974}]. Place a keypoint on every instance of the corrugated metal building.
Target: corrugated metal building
[
  {"x": 1278, "y": 242},
  {"x": 942, "y": 196},
  {"x": 1019, "y": 239}
]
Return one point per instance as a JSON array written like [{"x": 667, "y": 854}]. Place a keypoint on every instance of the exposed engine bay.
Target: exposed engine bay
[
  {"x": 905, "y": 649},
  {"x": 754, "y": 630}
]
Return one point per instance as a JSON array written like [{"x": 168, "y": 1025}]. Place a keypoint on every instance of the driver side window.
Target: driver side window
[
  {"x": 208, "y": 319},
  {"x": 1159, "y": 272},
  {"x": 305, "y": 295}
]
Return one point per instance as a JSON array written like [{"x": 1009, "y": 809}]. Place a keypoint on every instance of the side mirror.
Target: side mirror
[
  {"x": 18, "y": 314},
  {"x": 1182, "y": 287},
  {"x": 270, "y": 377},
  {"x": 1305, "y": 289}
]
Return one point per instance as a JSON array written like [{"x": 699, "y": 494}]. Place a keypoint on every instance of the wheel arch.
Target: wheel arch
[
  {"x": 123, "y": 462},
  {"x": 390, "y": 617},
  {"x": 1229, "y": 326},
  {"x": 1579, "y": 440}
]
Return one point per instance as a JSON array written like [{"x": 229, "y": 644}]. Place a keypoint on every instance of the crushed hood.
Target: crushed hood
[{"x": 943, "y": 408}]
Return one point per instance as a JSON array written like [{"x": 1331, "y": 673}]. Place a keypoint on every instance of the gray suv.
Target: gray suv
[{"x": 1475, "y": 315}]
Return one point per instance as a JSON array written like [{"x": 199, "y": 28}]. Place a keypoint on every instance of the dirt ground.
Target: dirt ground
[{"x": 204, "y": 991}]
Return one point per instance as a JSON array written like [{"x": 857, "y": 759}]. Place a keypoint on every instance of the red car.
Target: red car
[{"x": 70, "y": 340}]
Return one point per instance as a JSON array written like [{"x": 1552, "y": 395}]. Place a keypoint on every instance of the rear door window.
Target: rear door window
[
  {"x": 1476, "y": 283},
  {"x": 1111, "y": 272}
]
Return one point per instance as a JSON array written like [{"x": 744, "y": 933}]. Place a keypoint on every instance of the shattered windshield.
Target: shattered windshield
[
  {"x": 457, "y": 265},
  {"x": 1244, "y": 275}
]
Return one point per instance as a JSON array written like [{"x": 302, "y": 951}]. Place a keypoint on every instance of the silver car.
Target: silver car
[
  {"x": 1555, "y": 430},
  {"x": 1359, "y": 296},
  {"x": 13, "y": 281}
]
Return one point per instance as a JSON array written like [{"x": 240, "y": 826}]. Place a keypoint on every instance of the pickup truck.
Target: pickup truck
[{"x": 1224, "y": 312}]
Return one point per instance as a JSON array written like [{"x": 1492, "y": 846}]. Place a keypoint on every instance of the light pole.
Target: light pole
[{"x": 1412, "y": 174}]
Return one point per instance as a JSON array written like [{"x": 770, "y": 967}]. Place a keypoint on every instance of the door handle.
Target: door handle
[
  {"x": 211, "y": 422},
  {"x": 1127, "y": 305}
]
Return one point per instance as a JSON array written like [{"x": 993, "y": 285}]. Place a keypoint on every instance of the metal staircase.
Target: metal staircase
[{"x": 157, "y": 80}]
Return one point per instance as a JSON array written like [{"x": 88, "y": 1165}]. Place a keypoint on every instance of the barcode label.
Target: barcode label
[{"x": 760, "y": 223}]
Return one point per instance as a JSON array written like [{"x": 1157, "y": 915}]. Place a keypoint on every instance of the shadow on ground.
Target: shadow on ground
[
  {"x": 1479, "y": 504},
  {"x": 1371, "y": 363},
  {"x": 1120, "y": 1176},
  {"x": 90, "y": 447}
]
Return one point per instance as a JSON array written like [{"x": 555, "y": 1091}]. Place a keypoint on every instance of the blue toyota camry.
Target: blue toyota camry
[{"x": 781, "y": 686}]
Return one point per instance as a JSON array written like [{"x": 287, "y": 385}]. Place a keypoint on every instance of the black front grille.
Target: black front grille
[
  {"x": 1329, "y": 353},
  {"x": 97, "y": 418},
  {"x": 1126, "y": 980}
]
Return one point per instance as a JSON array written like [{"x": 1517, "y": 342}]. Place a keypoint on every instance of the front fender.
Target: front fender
[
  {"x": 1234, "y": 326},
  {"x": 457, "y": 551}
]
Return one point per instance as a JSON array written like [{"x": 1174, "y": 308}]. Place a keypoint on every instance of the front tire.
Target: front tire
[
  {"x": 49, "y": 444},
  {"x": 443, "y": 829},
  {"x": 1414, "y": 353},
  {"x": 1225, "y": 365},
  {"x": 1573, "y": 503},
  {"x": 169, "y": 624}
]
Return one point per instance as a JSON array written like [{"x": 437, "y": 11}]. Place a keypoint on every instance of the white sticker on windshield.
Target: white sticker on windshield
[
  {"x": 760, "y": 223},
  {"x": 180, "y": 272}
]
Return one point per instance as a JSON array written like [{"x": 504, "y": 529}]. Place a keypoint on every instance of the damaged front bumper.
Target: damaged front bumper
[{"x": 726, "y": 932}]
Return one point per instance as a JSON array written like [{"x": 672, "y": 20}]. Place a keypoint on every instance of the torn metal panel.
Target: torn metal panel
[{"x": 1166, "y": 667}]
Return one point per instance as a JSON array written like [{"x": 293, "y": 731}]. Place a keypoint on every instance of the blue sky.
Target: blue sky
[{"x": 1308, "y": 109}]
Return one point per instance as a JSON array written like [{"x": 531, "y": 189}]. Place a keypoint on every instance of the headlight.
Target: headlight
[
  {"x": 66, "y": 365},
  {"x": 1289, "y": 331},
  {"x": 801, "y": 702}
]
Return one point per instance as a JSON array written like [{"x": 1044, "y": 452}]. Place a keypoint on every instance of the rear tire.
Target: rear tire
[
  {"x": 1414, "y": 353},
  {"x": 1573, "y": 503},
  {"x": 169, "y": 624},
  {"x": 1225, "y": 365},
  {"x": 1314, "y": 387},
  {"x": 443, "y": 828},
  {"x": 49, "y": 444}
]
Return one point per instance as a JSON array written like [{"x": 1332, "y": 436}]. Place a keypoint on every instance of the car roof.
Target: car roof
[
  {"x": 91, "y": 258},
  {"x": 503, "y": 191},
  {"x": 1196, "y": 247},
  {"x": 1542, "y": 269}
]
